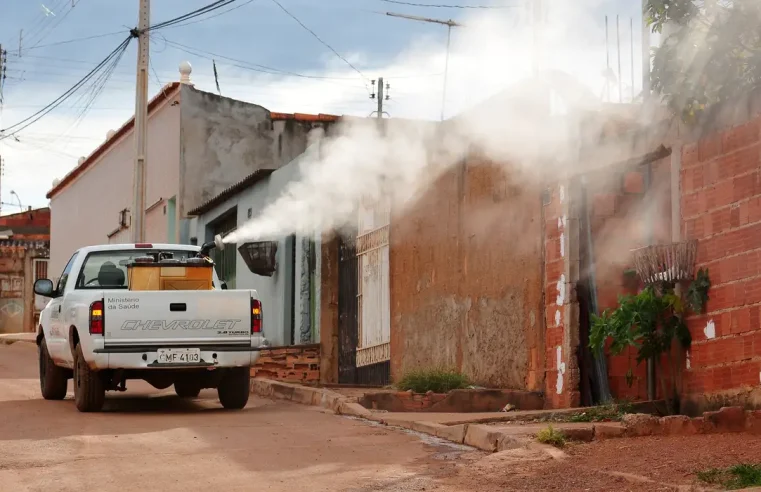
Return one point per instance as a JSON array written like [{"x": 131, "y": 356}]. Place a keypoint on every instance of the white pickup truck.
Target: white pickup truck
[{"x": 99, "y": 333}]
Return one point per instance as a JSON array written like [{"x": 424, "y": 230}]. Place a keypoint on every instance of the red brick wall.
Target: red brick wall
[
  {"x": 299, "y": 364},
  {"x": 466, "y": 286},
  {"x": 557, "y": 393},
  {"x": 721, "y": 208}
]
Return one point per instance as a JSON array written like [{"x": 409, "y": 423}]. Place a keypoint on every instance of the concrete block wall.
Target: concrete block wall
[{"x": 721, "y": 208}]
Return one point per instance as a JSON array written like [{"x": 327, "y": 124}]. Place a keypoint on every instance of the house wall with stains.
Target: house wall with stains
[
  {"x": 223, "y": 140},
  {"x": 466, "y": 279}
]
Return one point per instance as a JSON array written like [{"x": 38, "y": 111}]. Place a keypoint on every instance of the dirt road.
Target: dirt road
[{"x": 151, "y": 440}]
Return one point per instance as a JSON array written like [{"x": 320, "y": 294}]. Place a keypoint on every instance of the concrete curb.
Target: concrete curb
[
  {"x": 479, "y": 436},
  {"x": 11, "y": 338}
]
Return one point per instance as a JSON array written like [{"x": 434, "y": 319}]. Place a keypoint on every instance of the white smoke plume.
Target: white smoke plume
[{"x": 361, "y": 160}]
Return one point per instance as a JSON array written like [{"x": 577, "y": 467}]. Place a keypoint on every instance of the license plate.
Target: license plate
[{"x": 179, "y": 356}]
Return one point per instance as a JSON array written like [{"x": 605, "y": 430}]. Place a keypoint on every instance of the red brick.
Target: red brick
[
  {"x": 709, "y": 147},
  {"x": 740, "y": 162},
  {"x": 712, "y": 173},
  {"x": 745, "y": 186},
  {"x": 754, "y": 210},
  {"x": 689, "y": 154},
  {"x": 634, "y": 182},
  {"x": 740, "y": 136},
  {"x": 752, "y": 291},
  {"x": 604, "y": 204},
  {"x": 551, "y": 229},
  {"x": 695, "y": 203},
  {"x": 744, "y": 213}
]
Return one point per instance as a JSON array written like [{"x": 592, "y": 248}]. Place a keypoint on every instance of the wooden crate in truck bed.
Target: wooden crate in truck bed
[{"x": 193, "y": 274}]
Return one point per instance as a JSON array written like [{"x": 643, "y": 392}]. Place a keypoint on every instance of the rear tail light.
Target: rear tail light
[
  {"x": 144, "y": 245},
  {"x": 96, "y": 318},
  {"x": 256, "y": 316}
]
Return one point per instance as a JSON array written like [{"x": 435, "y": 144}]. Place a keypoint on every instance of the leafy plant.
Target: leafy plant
[
  {"x": 713, "y": 54},
  {"x": 436, "y": 380},
  {"x": 733, "y": 478},
  {"x": 551, "y": 436},
  {"x": 697, "y": 294},
  {"x": 651, "y": 322}
]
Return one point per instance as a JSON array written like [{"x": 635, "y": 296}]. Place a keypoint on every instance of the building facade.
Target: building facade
[
  {"x": 24, "y": 251},
  {"x": 287, "y": 275},
  {"x": 198, "y": 145}
]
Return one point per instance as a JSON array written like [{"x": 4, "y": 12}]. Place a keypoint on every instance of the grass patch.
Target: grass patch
[
  {"x": 436, "y": 380},
  {"x": 733, "y": 478},
  {"x": 605, "y": 413},
  {"x": 551, "y": 436}
]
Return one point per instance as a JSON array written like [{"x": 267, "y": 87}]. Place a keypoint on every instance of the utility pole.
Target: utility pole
[
  {"x": 2, "y": 71},
  {"x": 450, "y": 24},
  {"x": 381, "y": 96},
  {"x": 141, "y": 122},
  {"x": 618, "y": 48}
]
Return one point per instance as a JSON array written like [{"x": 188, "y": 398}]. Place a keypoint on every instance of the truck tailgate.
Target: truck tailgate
[{"x": 177, "y": 317}]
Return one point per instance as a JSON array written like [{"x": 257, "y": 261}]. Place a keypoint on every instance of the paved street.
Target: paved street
[{"x": 152, "y": 440}]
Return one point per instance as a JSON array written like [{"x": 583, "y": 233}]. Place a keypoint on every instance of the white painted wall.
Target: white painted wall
[
  {"x": 87, "y": 209},
  {"x": 273, "y": 291}
]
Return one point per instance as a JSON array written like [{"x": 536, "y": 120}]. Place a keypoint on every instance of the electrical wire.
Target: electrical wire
[
  {"x": 248, "y": 65},
  {"x": 447, "y": 6},
  {"x": 318, "y": 38},
  {"x": 192, "y": 15},
  {"x": 26, "y": 122},
  {"x": 53, "y": 25},
  {"x": 211, "y": 16},
  {"x": 75, "y": 40}
]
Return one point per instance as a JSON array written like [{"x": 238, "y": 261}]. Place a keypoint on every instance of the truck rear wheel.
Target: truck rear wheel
[
  {"x": 89, "y": 391},
  {"x": 233, "y": 389},
  {"x": 53, "y": 380},
  {"x": 186, "y": 389}
]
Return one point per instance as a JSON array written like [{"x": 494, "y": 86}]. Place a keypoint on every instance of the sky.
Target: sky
[{"x": 490, "y": 51}]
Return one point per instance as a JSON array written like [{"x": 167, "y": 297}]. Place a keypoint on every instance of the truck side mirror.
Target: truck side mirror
[{"x": 44, "y": 287}]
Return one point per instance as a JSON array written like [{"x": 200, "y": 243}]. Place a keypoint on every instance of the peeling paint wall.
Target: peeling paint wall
[
  {"x": 466, "y": 279},
  {"x": 224, "y": 140}
]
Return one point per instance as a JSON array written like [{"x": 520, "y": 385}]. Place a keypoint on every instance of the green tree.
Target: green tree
[{"x": 712, "y": 52}]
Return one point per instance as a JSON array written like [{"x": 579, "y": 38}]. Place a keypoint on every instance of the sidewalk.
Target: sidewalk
[
  {"x": 9, "y": 338},
  {"x": 486, "y": 431}
]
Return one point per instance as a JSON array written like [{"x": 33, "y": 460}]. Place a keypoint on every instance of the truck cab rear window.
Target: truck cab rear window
[{"x": 108, "y": 269}]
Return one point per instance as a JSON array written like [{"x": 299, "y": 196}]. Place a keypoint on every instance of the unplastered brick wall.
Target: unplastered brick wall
[
  {"x": 721, "y": 208},
  {"x": 298, "y": 363},
  {"x": 561, "y": 308}
]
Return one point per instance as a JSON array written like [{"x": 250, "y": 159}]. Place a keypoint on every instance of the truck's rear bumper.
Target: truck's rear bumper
[{"x": 136, "y": 356}]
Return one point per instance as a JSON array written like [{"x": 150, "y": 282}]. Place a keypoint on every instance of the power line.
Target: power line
[
  {"x": 248, "y": 65},
  {"x": 21, "y": 125},
  {"x": 44, "y": 34},
  {"x": 75, "y": 40},
  {"x": 319, "y": 39},
  {"x": 211, "y": 16},
  {"x": 192, "y": 15},
  {"x": 448, "y": 6}
]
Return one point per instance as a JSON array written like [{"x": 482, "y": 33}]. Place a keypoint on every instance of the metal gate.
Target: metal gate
[
  {"x": 373, "y": 348},
  {"x": 347, "y": 312}
]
